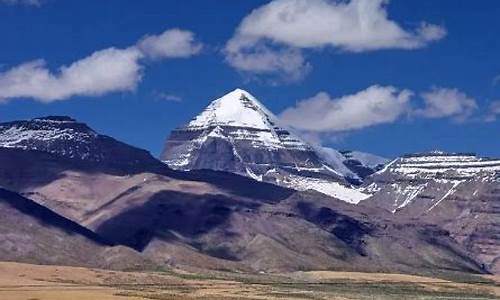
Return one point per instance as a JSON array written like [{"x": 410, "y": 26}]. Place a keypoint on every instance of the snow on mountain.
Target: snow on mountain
[
  {"x": 366, "y": 159},
  {"x": 68, "y": 138},
  {"x": 237, "y": 109},
  {"x": 336, "y": 160},
  {"x": 353, "y": 165},
  {"x": 460, "y": 192},
  {"x": 427, "y": 179},
  {"x": 61, "y": 135},
  {"x": 438, "y": 164},
  {"x": 363, "y": 164},
  {"x": 237, "y": 134},
  {"x": 22, "y": 134}
]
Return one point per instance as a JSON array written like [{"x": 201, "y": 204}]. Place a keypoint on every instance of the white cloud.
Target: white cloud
[
  {"x": 428, "y": 33},
  {"x": 355, "y": 26},
  {"x": 446, "y": 102},
  {"x": 167, "y": 97},
  {"x": 263, "y": 59},
  {"x": 174, "y": 43},
  {"x": 23, "y": 2},
  {"x": 375, "y": 105},
  {"x": 493, "y": 112},
  {"x": 358, "y": 25},
  {"x": 323, "y": 114},
  {"x": 104, "y": 71}
]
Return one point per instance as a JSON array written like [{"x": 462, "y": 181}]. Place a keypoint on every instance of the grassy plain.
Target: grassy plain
[{"x": 35, "y": 282}]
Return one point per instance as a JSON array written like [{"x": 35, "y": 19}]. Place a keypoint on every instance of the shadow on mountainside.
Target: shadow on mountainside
[
  {"x": 169, "y": 211},
  {"x": 22, "y": 169},
  {"x": 27, "y": 168},
  {"x": 46, "y": 216},
  {"x": 235, "y": 184},
  {"x": 345, "y": 228}
]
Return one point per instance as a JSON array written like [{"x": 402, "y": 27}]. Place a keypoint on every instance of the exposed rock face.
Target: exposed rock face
[
  {"x": 67, "y": 138},
  {"x": 363, "y": 164},
  {"x": 460, "y": 192},
  {"x": 427, "y": 179},
  {"x": 237, "y": 134},
  {"x": 474, "y": 221}
]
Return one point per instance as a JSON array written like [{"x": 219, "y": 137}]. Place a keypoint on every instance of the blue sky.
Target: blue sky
[{"x": 431, "y": 65}]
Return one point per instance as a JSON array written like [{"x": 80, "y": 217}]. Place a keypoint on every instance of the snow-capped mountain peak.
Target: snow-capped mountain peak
[
  {"x": 236, "y": 109},
  {"x": 237, "y": 133}
]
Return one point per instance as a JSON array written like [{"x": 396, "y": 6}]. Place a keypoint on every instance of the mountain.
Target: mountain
[
  {"x": 208, "y": 219},
  {"x": 426, "y": 179},
  {"x": 41, "y": 157},
  {"x": 298, "y": 231},
  {"x": 237, "y": 134},
  {"x": 458, "y": 191},
  {"x": 32, "y": 233},
  {"x": 363, "y": 164},
  {"x": 354, "y": 165},
  {"x": 67, "y": 138}
]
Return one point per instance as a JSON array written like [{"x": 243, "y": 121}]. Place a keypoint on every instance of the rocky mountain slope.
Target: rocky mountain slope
[
  {"x": 426, "y": 179},
  {"x": 354, "y": 165},
  {"x": 363, "y": 164},
  {"x": 32, "y": 233},
  {"x": 459, "y": 192},
  {"x": 220, "y": 220},
  {"x": 237, "y": 134},
  {"x": 70, "y": 139}
]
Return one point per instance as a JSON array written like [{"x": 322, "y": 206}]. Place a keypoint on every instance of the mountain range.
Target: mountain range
[{"x": 235, "y": 189}]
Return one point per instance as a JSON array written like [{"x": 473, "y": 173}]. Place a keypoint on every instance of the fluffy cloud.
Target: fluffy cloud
[
  {"x": 358, "y": 25},
  {"x": 174, "y": 43},
  {"x": 375, "y": 105},
  {"x": 355, "y": 26},
  {"x": 286, "y": 62},
  {"x": 493, "y": 112},
  {"x": 23, "y": 2},
  {"x": 446, "y": 102},
  {"x": 104, "y": 71}
]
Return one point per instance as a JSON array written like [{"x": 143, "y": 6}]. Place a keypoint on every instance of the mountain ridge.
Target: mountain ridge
[
  {"x": 459, "y": 192},
  {"x": 220, "y": 220}
]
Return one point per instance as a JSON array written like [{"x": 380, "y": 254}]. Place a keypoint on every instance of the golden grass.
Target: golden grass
[{"x": 35, "y": 282}]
